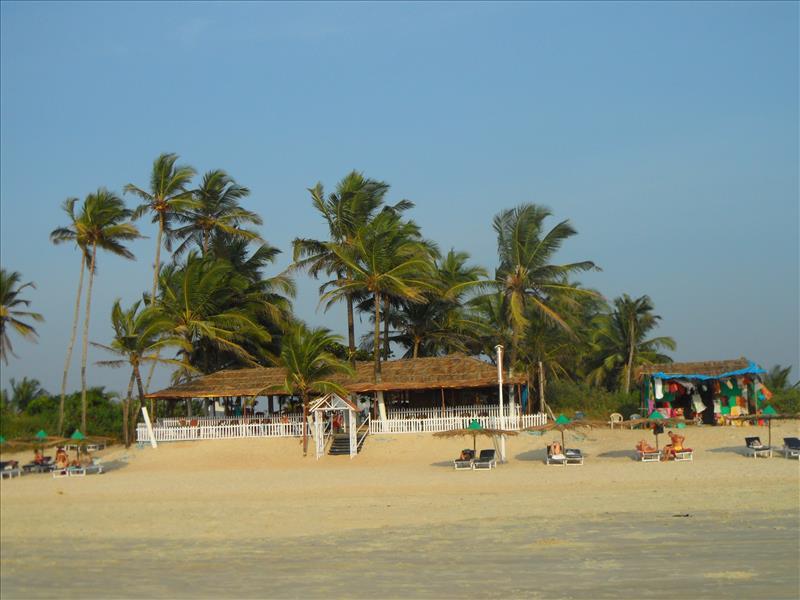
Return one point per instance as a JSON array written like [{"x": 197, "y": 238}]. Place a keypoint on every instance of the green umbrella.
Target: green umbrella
[
  {"x": 77, "y": 436},
  {"x": 562, "y": 423},
  {"x": 2, "y": 440},
  {"x": 41, "y": 435},
  {"x": 474, "y": 429}
]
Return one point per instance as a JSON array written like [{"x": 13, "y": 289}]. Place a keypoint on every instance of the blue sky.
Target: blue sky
[{"x": 667, "y": 133}]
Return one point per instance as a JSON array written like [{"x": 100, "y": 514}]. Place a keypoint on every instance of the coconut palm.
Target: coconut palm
[
  {"x": 11, "y": 317},
  {"x": 354, "y": 204},
  {"x": 526, "y": 275},
  {"x": 777, "y": 378},
  {"x": 73, "y": 232},
  {"x": 621, "y": 344},
  {"x": 167, "y": 197},
  {"x": 309, "y": 367},
  {"x": 100, "y": 224},
  {"x": 216, "y": 210},
  {"x": 386, "y": 257},
  {"x": 205, "y": 302},
  {"x": 138, "y": 337}
]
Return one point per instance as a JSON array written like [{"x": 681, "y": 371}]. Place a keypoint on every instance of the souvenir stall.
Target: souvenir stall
[{"x": 705, "y": 392}]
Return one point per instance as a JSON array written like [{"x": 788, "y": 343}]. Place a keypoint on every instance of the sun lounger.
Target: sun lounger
[
  {"x": 486, "y": 460},
  {"x": 555, "y": 459},
  {"x": 573, "y": 456},
  {"x": 758, "y": 449},
  {"x": 791, "y": 447},
  {"x": 685, "y": 454},
  {"x": 464, "y": 463},
  {"x": 10, "y": 469},
  {"x": 649, "y": 456}
]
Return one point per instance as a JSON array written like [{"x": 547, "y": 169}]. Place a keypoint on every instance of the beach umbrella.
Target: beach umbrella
[
  {"x": 474, "y": 429},
  {"x": 78, "y": 437},
  {"x": 768, "y": 414},
  {"x": 562, "y": 423},
  {"x": 2, "y": 440}
]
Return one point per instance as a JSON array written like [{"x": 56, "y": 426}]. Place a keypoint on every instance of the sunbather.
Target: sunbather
[
  {"x": 644, "y": 447},
  {"x": 38, "y": 457},
  {"x": 670, "y": 450},
  {"x": 466, "y": 454},
  {"x": 555, "y": 448},
  {"x": 62, "y": 460}
]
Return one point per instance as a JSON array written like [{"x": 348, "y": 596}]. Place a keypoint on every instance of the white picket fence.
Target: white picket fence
[
  {"x": 451, "y": 411},
  {"x": 435, "y": 424},
  {"x": 214, "y": 421},
  {"x": 218, "y": 431}
]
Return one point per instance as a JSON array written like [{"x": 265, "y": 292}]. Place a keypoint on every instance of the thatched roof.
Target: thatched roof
[
  {"x": 453, "y": 372},
  {"x": 709, "y": 368}
]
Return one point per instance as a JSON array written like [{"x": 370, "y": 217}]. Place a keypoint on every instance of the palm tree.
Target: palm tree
[
  {"x": 138, "y": 336},
  {"x": 167, "y": 198},
  {"x": 386, "y": 257},
  {"x": 25, "y": 391},
  {"x": 526, "y": 275},
  {"x": 206, "y": 303},
  {"x": 217, "y": 209},
  {"x": 777, "y": 379},
  {"x": 440, "y": 324},
  {"x": 74, "y": 232},
  {"x": 353, "y": 205},
  {"x": 620, "y": 340},
  {"x": 309, "y": 366},
  {"x": 11, "y": 317},
  {"x": 102, "y": 224}
]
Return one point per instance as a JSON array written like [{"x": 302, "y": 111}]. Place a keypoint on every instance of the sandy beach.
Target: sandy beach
[{"x": 253, "y": 518}]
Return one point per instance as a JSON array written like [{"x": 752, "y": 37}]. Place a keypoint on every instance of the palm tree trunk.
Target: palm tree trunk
[
  {"x": 351, "y": 332},
  {"x": 386, "y": 308},
  {"x": 377, "y": 340},
  {"x": 305, "y": 423},
  {"x": 205, "y": 243},
  {"x": 629, "y": 364},
  {"x": 71, "y": 345},
  {"x": 416, "y": 348},
  {"x": 86, "y": 338},
  {"x": 126, "y": 406},
  {"x": 156, "y": 271}
]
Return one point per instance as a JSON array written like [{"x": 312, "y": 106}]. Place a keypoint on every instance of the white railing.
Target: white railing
[
  {"x": 405, "y": 425},
  {"x": 218, "y": 432},
  {"x": 450, "y": 411},
  {"x": 186, "y": 421},
  {"x": 432, "y": 425}
]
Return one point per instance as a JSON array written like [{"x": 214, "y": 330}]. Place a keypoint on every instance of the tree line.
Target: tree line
[{"x": 212, "y": 306}]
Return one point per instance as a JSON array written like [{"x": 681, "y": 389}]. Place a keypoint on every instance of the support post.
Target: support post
[
  {"x": 542, "y": 404},
  {"x": 442, "y": 402},
  {"x": 499, "y": 349},
  {"x": 149, "y": 427}
]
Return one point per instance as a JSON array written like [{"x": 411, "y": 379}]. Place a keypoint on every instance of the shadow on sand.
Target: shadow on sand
[{"x": 629, "y": 454}]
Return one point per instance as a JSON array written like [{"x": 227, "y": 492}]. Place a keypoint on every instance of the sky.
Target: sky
[{"x": 667, "y": 133}]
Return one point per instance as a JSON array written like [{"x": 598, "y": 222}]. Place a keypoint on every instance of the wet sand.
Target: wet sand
[{"x": 252, "y": 518}]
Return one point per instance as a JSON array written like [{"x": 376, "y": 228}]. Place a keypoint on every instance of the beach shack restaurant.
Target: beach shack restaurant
[
  {"x": 704, "y": 391},
  {"x": 414, "y": 396}
]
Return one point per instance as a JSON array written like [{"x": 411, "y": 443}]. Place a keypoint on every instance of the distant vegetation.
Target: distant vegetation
[{"x": 211, "y": 304}]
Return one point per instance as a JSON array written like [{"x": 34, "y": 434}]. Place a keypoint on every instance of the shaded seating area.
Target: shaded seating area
[
  {"x": 647, "y": 453},
  {"x": 757, "y": 448}
]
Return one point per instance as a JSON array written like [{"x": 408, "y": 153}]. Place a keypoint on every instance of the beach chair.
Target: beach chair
[
  {"x": 615, "y": 418},
  {"x": 651, "y": 456},
  {"x": 555, "y": 459},
  {"x": 460, "y": 463},
  {"x": 10, "y": 469},
  {"x": 573, "y": 456},
  {"x": 791, "y": 447},
  {"x": 758, "y": 449},
  {"x": 485, "y": 460},
  {"x": 42, "y": 467},
  {"x": 684, "y": 455}
]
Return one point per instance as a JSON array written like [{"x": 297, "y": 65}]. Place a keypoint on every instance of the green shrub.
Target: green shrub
[
  {"x": 787, "y": 401},
  {"x": 569, "y": 397}
]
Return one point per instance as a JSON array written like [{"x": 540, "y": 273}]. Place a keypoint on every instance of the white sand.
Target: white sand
[{"x": 262, "y": 493}]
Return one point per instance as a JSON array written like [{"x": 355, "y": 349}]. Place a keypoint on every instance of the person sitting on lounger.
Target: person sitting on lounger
[
  {"x": 38, "y": 457},
  {"x": 556, "y": 450},
  {"x": 670, "y": 450},
  {"x": 645, "y": 448},
  {"x": 62, "y": 460},
  {"x": 466, "y": 454}
]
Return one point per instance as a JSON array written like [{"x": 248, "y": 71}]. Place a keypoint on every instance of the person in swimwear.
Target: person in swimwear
[{"x": 670, "y": 450}]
